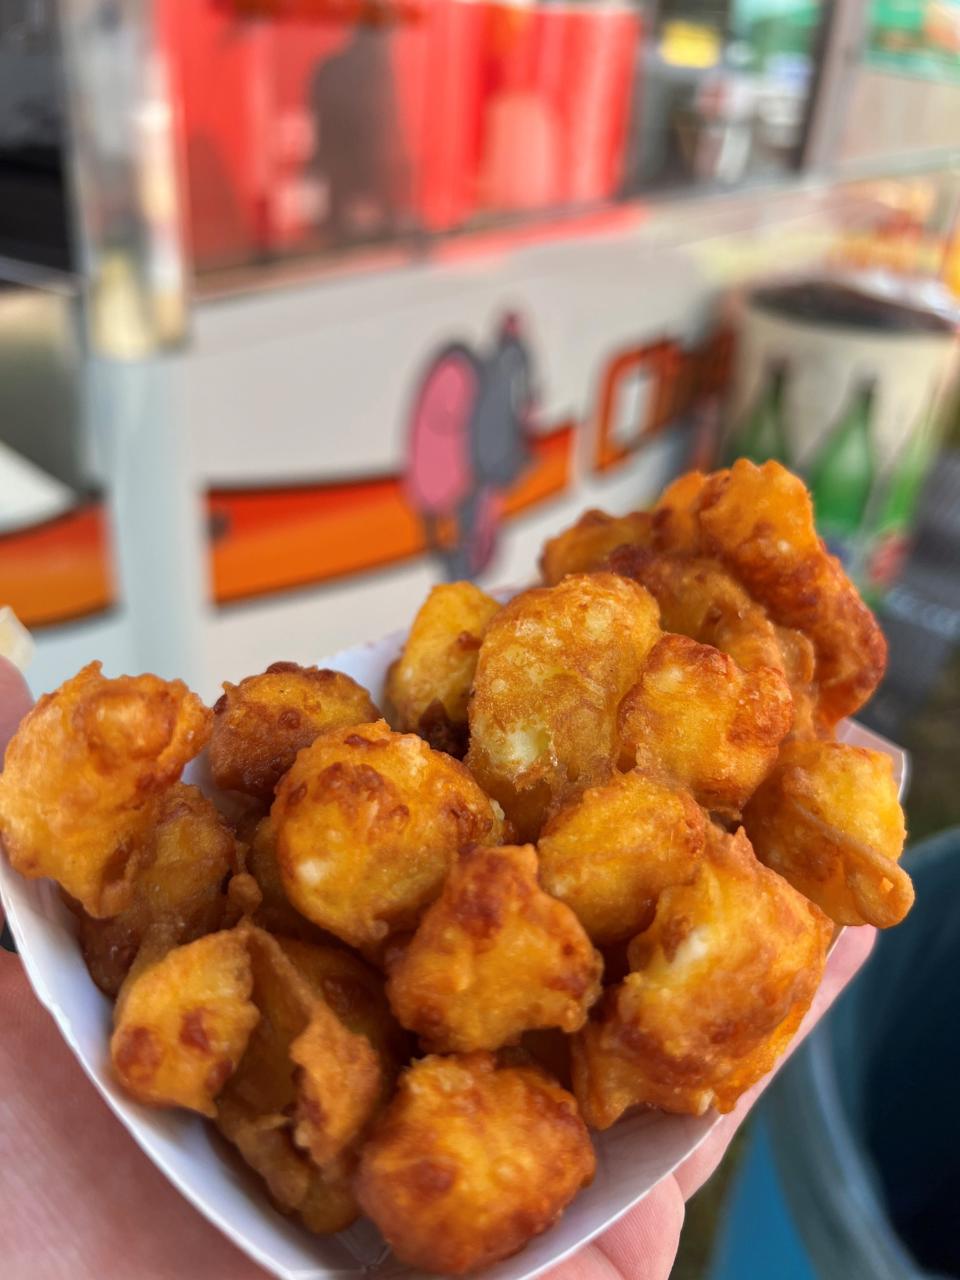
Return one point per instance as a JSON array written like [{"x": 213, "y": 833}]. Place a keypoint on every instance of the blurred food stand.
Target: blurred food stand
[{"x": 307, "y": 303}]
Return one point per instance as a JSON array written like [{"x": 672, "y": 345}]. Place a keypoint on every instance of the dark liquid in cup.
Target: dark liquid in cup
[{"x": 822, "y": 303}]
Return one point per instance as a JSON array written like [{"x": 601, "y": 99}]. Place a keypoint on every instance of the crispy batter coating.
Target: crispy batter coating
[
  {"x": 276, "y": 912},
  {"x": 705, "y": 724},
  {"x": 261, "y": 723},
  {"x": 553, "y": 667},
  {"x": 471, "y": 1161},
  {"x": 701, "y": 599},
  {"x": 675, "y": 524},
  {"x": 610, "y": 854},
  {"x": 180, "y": 890},
  {"x": 368, "y": 823},
  {"x": 720, "y": 983},
  {"x": 294, "y": 1089},
  {"x": 828, "y": 819},
  {"x": 493, "y": 957},
  {"x": 322, "y": 1199},
  {"x": 429, "y": 684},
  {"x": 587, "y": 543},
  {"x": 182, "y": 1023},
  {"x": 82, "y": 775},
  {"x": 340, "y": 1085},
  {"x": 759, "y": 521},
  {"x": 356, "y": 993},
  {"x": 798, "y": 660}
]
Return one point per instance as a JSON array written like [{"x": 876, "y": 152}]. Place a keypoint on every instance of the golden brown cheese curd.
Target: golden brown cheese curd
[
  {"x": 703, "y": 723},
  {"x": 293, "y": 1089},
  {"x": 182, "y": 1023},
  {"x": 759, "y": 521},
  {"x": 610, "y": 854},
  {"x": 719, "y": 984},
  {"x": 471, "y": 1161},
  {"x": 585, "y": 545},
  {"x": 340, "y": 1085},
  {"x": 322, "y": 1199},
  {"x": 276, "y": 913},
  {"x": 356, "y": 994},
  {"x": 261, "y": 723},
  {"x": 82, "y": 776},
  {"x": 674, "y": 516},
  {"x": 368, "y": 822},
  {"x": 493, "y": 957},
  {"x": 429, "y": 684},
  {"x": 553, "y": 667},
  {"x": 828, "y": 819},
  {"x": 699, "y": 598},
  {"x": 180, "y": 890}
]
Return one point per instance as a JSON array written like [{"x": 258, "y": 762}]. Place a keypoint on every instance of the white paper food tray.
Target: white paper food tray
[{"x": 631, "y": 1158}]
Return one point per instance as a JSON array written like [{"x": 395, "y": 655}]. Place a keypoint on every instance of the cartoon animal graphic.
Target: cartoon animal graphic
[{"x": 469, "y": 442}]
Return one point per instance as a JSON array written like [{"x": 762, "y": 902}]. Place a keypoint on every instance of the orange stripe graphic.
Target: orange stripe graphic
[{"x": 263, "y": 540}]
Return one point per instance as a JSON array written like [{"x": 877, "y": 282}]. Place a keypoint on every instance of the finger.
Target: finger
[
  {"x": 644, "y": 1241},
  {"x": 57, "y": 1140},
  {"x": 850, "y": 953},
  {"x": 15, "y": 700},
  {"x": 641, "y": 1246}
]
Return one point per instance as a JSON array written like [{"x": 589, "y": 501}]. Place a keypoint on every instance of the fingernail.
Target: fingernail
[{"x": 16, "y": 642}]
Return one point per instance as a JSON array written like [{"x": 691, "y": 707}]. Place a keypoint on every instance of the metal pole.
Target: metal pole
[
  {"x": 840, "y": 59},
  {"x": 124, "y": 160}
]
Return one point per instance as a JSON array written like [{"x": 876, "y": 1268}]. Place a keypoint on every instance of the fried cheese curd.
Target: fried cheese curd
[
  {"x": 587, "y": 543},
  {"x": 611, "y": 853},
  {"x": 718, "y": 985},
  {"x": 429, "y": 684},
  {"x": 275, "y": 912},
  {"x": 261, "y": 723},
  {"x": 828, "y": 819},
  {"x": 734, "y": 560},
  {"x": 471, "y": 1161},
  {"x": 700, "y": 599},
  {"x": 180, "y": 891},
  {"x": 368, "y": 823},
  {"x": 703, "y": 723},
  {"x": 82, "y": 776},
  {"x": 303, "y": 1094},
  {"x": 759, "y": 522},
  {"x": 493, "y": 957},
  {"x": 356, "y": 994},
  {"x": 553, "y": 667},
  {"x": 182, "y": 1023}
]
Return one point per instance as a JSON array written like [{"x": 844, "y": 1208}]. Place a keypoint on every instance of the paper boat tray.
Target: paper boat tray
[{"x": 631, "y": 1158}]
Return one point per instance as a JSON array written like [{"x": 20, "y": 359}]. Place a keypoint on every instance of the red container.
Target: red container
[
  {"x": 304, "y": 132},
  {"x": 557, "y": 90},
  {"x": 219, "y": 70}
]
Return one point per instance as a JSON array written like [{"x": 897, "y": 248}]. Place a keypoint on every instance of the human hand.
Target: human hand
[
  {"x": 643, "y": 1244},
  {"x": 82, "y": 1201}
]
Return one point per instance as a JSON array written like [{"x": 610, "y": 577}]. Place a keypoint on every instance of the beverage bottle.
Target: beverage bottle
[
  {"x": 892, "y": 521},
  {"x": 763, "y": 435},
  {"x": 842, "y": 472}
]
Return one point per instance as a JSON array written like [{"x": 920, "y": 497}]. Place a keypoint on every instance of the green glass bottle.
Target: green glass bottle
[
  {"x": 762, "y": 434},
  {"x": 842, "y": 472},
  {"x": 891, "y": 521},
  {"x": 906, "y": 480}
]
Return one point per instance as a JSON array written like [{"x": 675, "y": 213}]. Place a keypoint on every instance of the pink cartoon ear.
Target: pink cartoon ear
[{"x": 438, "y": 472}]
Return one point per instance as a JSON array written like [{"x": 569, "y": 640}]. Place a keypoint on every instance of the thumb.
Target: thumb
[{"x": 15, "y": 700}]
